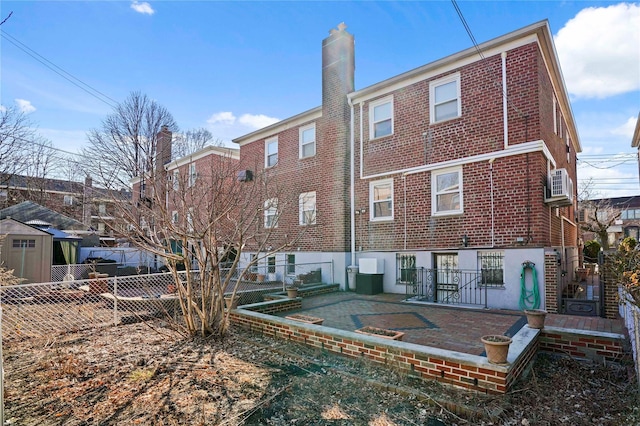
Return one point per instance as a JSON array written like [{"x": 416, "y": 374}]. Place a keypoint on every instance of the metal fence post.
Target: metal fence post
[
  {"x": 115, "y": 301},
  {"x": 636, "y": 325}
]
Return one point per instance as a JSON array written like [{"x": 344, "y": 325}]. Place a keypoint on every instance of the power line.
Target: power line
[{"x": 60, "y": 71}]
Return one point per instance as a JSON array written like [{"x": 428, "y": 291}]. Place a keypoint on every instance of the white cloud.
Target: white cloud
[
  {"x": 598, "y": 51},
  {"x": 3, "y": 108},
  {"x": 627, "y": 128},
  {"x": 25, "y": 106},
  {"x": 142, "y": 7},
  {"x": 224, "y": 117},
  {"x": 257, "y": 121},
  {"x": 224, "y": 125}
]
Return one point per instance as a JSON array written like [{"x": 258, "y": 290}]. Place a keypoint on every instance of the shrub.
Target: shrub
[{"x": 591, "y": 250}]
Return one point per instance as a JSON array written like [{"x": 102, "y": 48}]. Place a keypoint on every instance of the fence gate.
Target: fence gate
[{"x": 446, "y": 286}]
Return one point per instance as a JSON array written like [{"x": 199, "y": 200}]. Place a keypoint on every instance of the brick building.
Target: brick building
[
  {"x": 94, "y": 207},
  {"x": 465, "y": 162}
]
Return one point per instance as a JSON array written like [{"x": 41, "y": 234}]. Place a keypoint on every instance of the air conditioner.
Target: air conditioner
[{"x": 559, "y": 189}]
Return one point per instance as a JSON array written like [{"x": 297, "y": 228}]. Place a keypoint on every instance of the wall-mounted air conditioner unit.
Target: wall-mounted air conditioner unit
[{"x": 559, "y": 189}]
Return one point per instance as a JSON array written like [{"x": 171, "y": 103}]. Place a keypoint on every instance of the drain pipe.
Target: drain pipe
[
  {"x": 505, "y": 105},
  {"x": 352, "y": 269},
  {"x": 493, "y": 216}
]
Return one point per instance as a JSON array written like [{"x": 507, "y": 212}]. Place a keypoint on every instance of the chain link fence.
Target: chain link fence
[{"x": 43, "y": 309}]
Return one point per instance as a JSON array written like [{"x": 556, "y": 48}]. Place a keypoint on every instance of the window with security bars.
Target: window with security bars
[
  {"x": 406, "y": 268},
  {"x": 271, "y": 264},
  {"x": 291, "y": 264},
  {"x": 491, "y": 266}
]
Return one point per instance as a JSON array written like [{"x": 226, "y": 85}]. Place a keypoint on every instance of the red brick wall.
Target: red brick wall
[{"x": 551, "y": 282}]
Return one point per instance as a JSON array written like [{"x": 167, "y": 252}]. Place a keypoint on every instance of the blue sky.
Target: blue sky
[{"x": 232, "y": 67}]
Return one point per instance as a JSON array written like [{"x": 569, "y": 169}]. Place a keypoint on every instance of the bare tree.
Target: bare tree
[
  {"x": 599, "y": 215},
  {"x": 126, "y": 145},
  {"x": 16, "y": 133},
  {"x": 202, "y": 224},
  {"x": 40, "y": 162},
  {"x": 192, "y": 141}
]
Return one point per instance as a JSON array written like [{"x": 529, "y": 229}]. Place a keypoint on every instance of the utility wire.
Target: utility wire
[
  {"x": 60, "y": 71},
  {"x": 497, "y": 84}
]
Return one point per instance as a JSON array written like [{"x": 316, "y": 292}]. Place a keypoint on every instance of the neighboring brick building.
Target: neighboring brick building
[
  {"x": 622, "y": 214},
  {"x": 467, "y": 161},
  {"x": 92, "y": 206}
]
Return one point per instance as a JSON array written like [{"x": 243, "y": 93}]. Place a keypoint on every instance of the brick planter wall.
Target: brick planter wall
[
  {"x": 457, "y": 369},
  {"x": 592, "y": 345},
  {"x": 551, "y": 282}
]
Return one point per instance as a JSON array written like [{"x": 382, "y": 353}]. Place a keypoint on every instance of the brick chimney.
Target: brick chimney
[
  {"x": 163, "y": 148},
  {"x": 338, "y": 68}
]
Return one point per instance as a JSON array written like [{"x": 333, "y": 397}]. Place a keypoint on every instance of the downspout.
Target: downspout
[
  {"x": 493, "y": 233},
  {"x": 352, "y": 194},
  {"x": 404, "y": 184},
  {"x": 505, "y": 105},
  {"x": 361, "y": 148}
]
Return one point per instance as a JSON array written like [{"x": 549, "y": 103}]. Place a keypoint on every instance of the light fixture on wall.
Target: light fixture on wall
[{"x": 465, "y": 241}]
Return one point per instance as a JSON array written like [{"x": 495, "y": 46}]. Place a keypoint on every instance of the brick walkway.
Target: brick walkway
[{"x": 456, "y": 329}]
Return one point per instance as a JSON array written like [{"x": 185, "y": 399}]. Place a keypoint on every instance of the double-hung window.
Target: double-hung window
[
  {"x": 308, "y": 141},
  {"x": 444, "y": 95},
  {"x": 381, "y": 118},
  {"x": 291, "y": 264},
  {"x": 381, "y": 200},
  {"x": 271, "y": 152},
  {"x": 271, "y": 213},
  {"x": 68, "y": 200},
  {"x": 446, "y": 191},
  {"x": 307, "y": 202}
]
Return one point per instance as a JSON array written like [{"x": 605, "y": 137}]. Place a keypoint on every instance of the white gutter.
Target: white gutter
[
  {"x": 361, "y": 139},
  {"x": 505, "y": 103},
  {"x": 352, "y": 192}
]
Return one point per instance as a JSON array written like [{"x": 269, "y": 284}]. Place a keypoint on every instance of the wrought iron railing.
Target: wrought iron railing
[{"x": 450, "y": 286}]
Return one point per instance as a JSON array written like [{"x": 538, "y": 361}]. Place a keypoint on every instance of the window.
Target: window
[
  {"x": 101, "y": 227},
  {"x": 271, "y": 213},
  {"x": 407, "y": 272},
  {"x": 602, "y": 217},
  {"x": 446, "y": 192},
  {"x": 254, "y": 263},
  {"x": 308, "y": 141},
  {"x": 23, "y": 243},
  {"x": 271, "y": 264},
  {"x": 307, "y": 202},
  {"x": 291, "y": 264},
  {"x": 271, "y": 152},
  {"x": 381, "y": 118},
  {"x": 102, "y": 209},
  {"x": 491, "y": 266},
  {"x": 68, "y": 200},
  {"x": 444, "y": 95},
  {"x": 381, "y": 200},
  {"x": 3, "y": 194},
  {"x": 174, "y": 217},
  {"x": 175, "y": 180},
  {"x": 193, "y": 174}
]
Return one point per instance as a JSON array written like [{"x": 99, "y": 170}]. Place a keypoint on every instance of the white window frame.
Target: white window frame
[
  {"x": 193, "y": 174},
  {"x": 435, "y": 193},
  {"x": 68, "y": 200},
  {"x": 174, "y": 217},
  {"x": 271, "y": 213},
  {"x": 433, "y": 85},
  {"x": 555, "y": 116},
  {"x": 268, "y": 142},
  {"x": 302, "y": 143},
  {"x": 307, "y": 203},
  {"x": 372, "y": 201},
  {"x": 372, "y": 122},
  {"x": 175, "y": 180}
]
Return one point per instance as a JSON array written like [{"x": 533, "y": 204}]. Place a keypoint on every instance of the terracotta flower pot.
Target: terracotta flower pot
[
  {"x": 497, "y": 348},
  {"x": 535, "y": 318},
  {"x": 230, "y": 302},
  {"x": 292, "y": 293}
]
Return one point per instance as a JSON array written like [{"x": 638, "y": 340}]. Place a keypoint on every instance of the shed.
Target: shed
[{"x": 27, "y": 250}]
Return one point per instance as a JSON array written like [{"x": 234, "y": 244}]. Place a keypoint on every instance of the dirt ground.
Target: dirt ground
[{"x": 146, "y": 374}]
